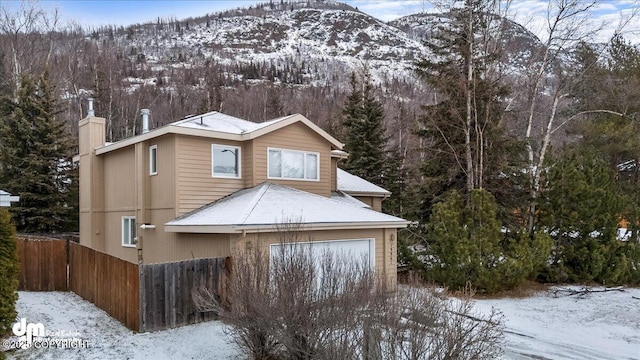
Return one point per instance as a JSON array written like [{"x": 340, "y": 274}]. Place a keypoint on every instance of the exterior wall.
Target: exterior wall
[
  {"x": 196, "y": 185},
  {"x": 186, "y": 247},
  {"x": 334, "y": 174},
  {"x": 385, "y": 246},
  {"x": 374, "y": 202},
  {"x": 296, "y": 136},
  {"x": 119, "y": 200}
]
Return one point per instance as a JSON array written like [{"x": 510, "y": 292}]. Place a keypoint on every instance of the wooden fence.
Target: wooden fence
[
  {"x": 110, "y": 283},
  {"x": 166, "y": 291},
  {"x": 144, "y": 298},
  {"x": 43, "y": 264}
]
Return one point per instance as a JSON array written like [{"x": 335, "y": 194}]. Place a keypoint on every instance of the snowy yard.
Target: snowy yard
[{"x": 598, "y": 326}]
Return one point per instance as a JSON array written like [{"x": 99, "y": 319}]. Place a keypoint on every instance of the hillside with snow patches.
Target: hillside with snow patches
[{"x": 325, "y": 44}]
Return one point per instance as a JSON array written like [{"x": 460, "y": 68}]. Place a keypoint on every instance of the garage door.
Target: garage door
[{"x": 361, "y": 250}]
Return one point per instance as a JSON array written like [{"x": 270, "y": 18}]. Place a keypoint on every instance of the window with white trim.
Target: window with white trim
[
  {"x": 293, "y": 164},
  {"x": 225, "y": 161},
  {"x": 129, "y": 231},
  {"x": 153, "y": 160}
]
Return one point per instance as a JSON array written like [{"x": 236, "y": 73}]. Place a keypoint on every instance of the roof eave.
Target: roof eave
[
  {"x": 169, "y": 129},
  {"x": 365, "y": 193},
  {"x": 230, "y": 229}
]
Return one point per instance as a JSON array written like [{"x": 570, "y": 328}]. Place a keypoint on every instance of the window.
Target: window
[
  {"x": 225, "y": 161},
  {"x": 292, "y": 164},
  {"x": 153, "y": 160},
  {"x": 129, "y": 231}
]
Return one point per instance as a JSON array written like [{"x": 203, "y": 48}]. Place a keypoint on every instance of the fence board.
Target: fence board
[
  {"x": 110, "y": 283},
  {"x": 167, "y": 291},
  {"x": 43, "y": 264}
]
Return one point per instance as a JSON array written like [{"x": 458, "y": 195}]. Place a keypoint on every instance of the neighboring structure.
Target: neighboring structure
[
  {"x": 208, "y": 184},
  {"x": 6, "y": 199}
]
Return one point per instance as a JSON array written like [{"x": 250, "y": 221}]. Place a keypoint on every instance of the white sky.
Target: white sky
[{"x": 529, "y": 13}]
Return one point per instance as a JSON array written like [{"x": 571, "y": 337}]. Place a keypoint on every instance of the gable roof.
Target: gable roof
[
  {"x": 263, "y": 207},
  {"x": 221, "y": 126},
  {"x": 355, "y": 185}
]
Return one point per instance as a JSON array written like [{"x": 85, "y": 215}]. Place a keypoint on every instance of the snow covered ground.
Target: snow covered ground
[
  {"x": 597, "y": 326},
  {"x": 108, "y": 339}
]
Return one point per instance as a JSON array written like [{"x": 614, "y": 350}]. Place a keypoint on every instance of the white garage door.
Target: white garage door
[{"x": 361, "y": 250}]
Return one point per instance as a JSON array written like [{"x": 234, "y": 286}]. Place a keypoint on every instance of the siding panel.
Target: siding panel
[{"x": 196, "y": 186}]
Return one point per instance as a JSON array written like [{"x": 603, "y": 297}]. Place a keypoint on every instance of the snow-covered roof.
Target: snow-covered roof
[
  {"x": 348, "y": 199},
  {"x": 215, "y": 121},
  {"x": 265, "y": 206},
  {"x": 355, "y": 185},
  {"x": 220, "y": 126}
]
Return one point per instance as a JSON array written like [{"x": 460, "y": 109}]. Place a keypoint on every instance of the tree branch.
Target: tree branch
[{"x": 585, "y": 113}]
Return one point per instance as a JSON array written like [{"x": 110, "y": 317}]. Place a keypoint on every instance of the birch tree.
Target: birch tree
[
  {"x": 28, "y": 30},
  {"x": 550, "y": 85}
]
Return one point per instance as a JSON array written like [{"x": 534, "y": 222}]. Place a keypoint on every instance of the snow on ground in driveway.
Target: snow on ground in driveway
[
  {"x": 597, "y": 326},
  {"x": 108, "y": 339}
]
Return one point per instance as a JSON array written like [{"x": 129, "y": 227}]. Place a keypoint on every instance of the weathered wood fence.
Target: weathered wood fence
[
  {"x": 166, "y": 291},
  {"x": 144, "y": 298},
  {"x": 43, "y": 264},
  {"x": 110, "y": 283}
]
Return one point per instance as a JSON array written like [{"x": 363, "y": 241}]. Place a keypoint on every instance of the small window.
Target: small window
[
  {"x": 293, "y": 165},
  {"x": 225, "y": 161},
  {"x": 129, "y": 231},
  {"x": 153, "y": 160}
]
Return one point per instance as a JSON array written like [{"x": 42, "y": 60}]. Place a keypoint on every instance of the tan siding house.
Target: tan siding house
[{"x": 209, "y": 184}]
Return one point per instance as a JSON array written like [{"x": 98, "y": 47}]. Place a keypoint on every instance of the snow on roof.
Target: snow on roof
[
  {"x": 353, "y": 184},
  {"x": 266, "y": 205},
  {"x": 348, "y": 199},
  {"x": 215, "y": 121}
]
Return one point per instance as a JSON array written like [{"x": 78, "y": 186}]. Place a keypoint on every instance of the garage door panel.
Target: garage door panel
[{"x": 356, "y": 249}]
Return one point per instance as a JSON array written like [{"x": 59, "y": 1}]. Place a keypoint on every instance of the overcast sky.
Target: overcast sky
[{"x": 530, "y": 13}]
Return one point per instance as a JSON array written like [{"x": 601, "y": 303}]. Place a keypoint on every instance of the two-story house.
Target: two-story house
[{"x": 209, "y": 184}]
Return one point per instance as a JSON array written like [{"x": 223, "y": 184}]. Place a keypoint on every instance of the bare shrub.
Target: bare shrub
[{"x": 300, "y": 302}]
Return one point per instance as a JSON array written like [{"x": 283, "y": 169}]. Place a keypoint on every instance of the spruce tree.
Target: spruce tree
[
  {"x": 468, "y": 146},
  {"x": 36, "y": 153},
  {"x": 365, "y": 133},
  {"x": 8, "y": 273}
]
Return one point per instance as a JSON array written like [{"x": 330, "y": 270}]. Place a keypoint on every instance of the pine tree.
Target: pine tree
[
  {"x": 580, "y": 208},
  {"x": 8, "y": 273},
  {"x": 36, "y": 152},
  {"x": 467, "y": 245}
]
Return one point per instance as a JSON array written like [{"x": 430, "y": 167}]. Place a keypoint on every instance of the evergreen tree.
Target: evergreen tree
[
  {"x": 365, "y": 133},
  {"x": 8, "y": 273},
  {"x": 581, "y": 209},
  {"x": 36, "y": 152},
  {"x": 462, "y": 125},
  {"x": 467, "y": 246}
]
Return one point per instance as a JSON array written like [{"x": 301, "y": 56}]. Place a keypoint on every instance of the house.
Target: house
[{"x": 208, "y": 184}]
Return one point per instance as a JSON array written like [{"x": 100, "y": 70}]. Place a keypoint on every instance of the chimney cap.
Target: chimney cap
[{"x": 90, "y": 112}]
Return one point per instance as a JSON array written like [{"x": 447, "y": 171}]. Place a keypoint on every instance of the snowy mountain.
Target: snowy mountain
[{"x": 323, "y": 40}]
